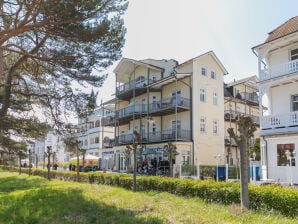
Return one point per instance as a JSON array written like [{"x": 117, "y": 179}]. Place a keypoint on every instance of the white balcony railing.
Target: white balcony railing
[
  {"x": 279, "y": 120},
  {"x": 279, "y": 70}
]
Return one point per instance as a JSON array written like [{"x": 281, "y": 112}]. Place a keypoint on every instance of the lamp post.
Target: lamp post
[
  {"x": 217, "y": 158},
  {"x": 290, "y": 157}
]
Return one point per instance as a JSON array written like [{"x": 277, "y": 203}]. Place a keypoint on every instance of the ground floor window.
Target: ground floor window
[
  {"x": 185, "y": 157},
  {"x": 282, "y": 151}
]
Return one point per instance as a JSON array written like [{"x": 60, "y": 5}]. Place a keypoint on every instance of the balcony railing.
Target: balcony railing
[
  {"x": 168, "y": 103},
  {"x": 253, "y": 97},
  {"x": 128, "y": 111},
  {"x": 233, "y": 115},
  {"x": 280, "y": 120},
  {"x": 279, "y": 70},
  {"x": 158, "y": 136}
]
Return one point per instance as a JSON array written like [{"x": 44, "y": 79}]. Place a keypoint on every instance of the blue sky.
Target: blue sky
[{"x": 183, "y": 29}]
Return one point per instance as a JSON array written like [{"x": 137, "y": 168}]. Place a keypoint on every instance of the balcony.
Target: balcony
[
  {"x": 231, "y": 115},
  {"x": 279, "y": 70},
  {"x": 125, "y": 90},
  {"x": 154, "y": 137},
  {"x": 252, "y": 97},
  {"x": 168, "y": 106},
  {"x": 280, "y": 122}
]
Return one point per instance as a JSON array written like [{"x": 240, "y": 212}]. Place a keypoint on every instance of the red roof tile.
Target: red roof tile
[{"x": 284, "y": 29}]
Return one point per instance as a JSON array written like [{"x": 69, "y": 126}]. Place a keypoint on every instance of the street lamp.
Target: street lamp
[
  {"x": 290, "y": 156},
  {"x": 217, "y": 158}
]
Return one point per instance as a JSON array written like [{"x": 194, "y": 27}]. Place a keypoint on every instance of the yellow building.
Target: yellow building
[
  {"x": 169, "y": 102},
  {"x": 241, "y": 98}
]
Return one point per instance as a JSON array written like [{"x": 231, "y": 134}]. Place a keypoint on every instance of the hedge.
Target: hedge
[{"x": 262, "y": 198}]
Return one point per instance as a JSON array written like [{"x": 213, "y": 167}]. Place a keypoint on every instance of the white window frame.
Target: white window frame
[
  {"x": 292, "y": 55},
  {"x": 204, "y": 71},
  {"x": 215, "y": 98},
  {"x": 203, "y": 125},
  {"x": 203, "y": 95},
  {"x": 294, "y": 102},
  {"x": 213, "y": 75},
  {"x": 215, "y": 127}
]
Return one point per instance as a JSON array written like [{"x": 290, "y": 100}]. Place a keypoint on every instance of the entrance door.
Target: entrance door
[{"x": 178, "y": 128}]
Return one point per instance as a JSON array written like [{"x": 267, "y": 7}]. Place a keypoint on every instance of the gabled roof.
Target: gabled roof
[
  {"x": 284, "y": 29},
  {"x": 207, "y": 53},
  {"x": 249, "y": 81},
  {"x": 127, "y": 65}
]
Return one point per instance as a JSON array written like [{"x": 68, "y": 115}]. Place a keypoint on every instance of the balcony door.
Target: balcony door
[{"x": 178, "y": 124}]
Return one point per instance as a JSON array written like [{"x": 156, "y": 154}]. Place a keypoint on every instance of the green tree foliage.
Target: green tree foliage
[{"x": 46, "y": 47}]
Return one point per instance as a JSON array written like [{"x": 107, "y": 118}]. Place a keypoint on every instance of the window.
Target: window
[
  {"x": 213, "y": 75},
  {"x": 86, "y": 142},
  {"x": 215, "y": 127},
  {"x": 96, "y": 139},
  {"x": 97, "y": 123},
  {"x": 92, "y": 125},
  {"x": 282, "y": 150},
  {"x": 203, "y": 124},
  {"x": 215, "y": 99},
  {"x": 294, "y": 54},
  {"x": 294, "y": 102},
  {"x": 203, "y": 72},
  {"x": 185, "y": 157},
  {"x": 202, "y": 95},
  {"x": 154, "y": 78},
  {"x": 154, "y": 129}
]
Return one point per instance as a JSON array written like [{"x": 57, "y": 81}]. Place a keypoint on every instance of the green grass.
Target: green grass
[{"x": 26, "y": 199}]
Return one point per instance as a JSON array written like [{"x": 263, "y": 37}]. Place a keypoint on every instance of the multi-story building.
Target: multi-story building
[
  {"x": 241, "y": 98},
  {"x": 93, "y": 135},
  {"x": 278, "y": 84},
  {"x": 169, "y": 102}
]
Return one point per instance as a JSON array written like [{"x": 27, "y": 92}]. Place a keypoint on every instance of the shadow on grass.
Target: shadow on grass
[{"x": 47, "y": 205}]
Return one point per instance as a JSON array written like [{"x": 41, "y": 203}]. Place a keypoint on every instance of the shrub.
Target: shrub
[{"x": 263, "y": 198}]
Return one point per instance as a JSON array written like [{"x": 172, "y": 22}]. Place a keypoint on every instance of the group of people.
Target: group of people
[{"x": 147, "y": 167}]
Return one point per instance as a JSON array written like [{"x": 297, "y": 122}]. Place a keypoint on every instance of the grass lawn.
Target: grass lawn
[{"x": 31, "y": 200}]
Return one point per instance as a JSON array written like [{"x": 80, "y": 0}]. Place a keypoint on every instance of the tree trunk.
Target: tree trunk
[
  {"x": 78, "y": 166},
  {"x": 244, "y": 177},
  {"x": 134, "y": 170},
  {"x": 20, "y": 164},
  {"x": 48, "y": 165}
]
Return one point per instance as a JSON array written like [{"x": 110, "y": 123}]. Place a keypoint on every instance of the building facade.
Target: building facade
[
  {"x": 169, "y": 102},
  {"x": 241, "y": 99},
  {"x": 278, "y": 84},
  {"x": 93, "y": 135}
]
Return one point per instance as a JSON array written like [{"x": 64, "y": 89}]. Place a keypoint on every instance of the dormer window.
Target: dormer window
[{"x": 294, "y": 54}]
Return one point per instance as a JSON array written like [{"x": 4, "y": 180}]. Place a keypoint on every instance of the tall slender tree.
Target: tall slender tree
[
  {"x": 246, "y": 129},
  {"x": 134, "y": 148},
  {"x": 170, "y": 151}
]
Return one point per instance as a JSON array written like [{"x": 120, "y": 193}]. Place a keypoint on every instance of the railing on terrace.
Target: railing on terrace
[
  {"x": 134, "y": 84},
  {"x": 253, "y": 97},
  {"x": 279, "y": 120},
  {"x": 127, "y": 111},
  {"x": 279, "y": 70},
  {"x": 167, "y": 103},
  {"x": 233, "y": 115},
  {"x": 158, "y": 136}
]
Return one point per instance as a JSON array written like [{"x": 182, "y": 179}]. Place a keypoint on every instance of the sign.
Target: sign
[{"x": 109, "y": 152}]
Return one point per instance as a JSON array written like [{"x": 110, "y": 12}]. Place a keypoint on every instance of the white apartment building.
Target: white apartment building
[
  {"x": 278, "y": 82},
  {"x": 169, "y": 102},
  {"x": 93, "y": 135}
]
